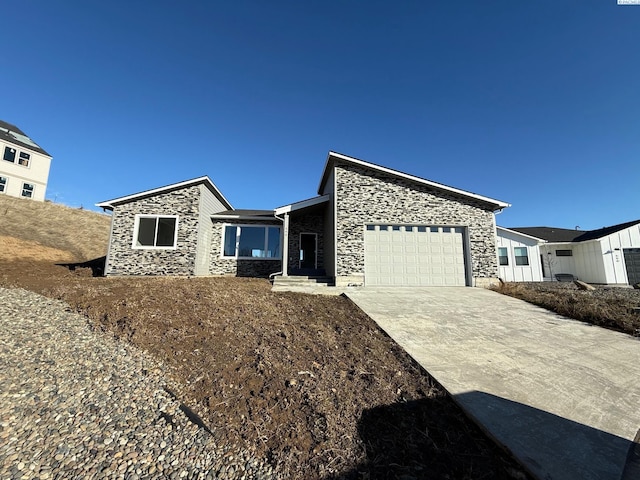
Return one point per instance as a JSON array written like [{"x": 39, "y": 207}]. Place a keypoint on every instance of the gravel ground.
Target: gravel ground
[{"x": 78, "y": 404}]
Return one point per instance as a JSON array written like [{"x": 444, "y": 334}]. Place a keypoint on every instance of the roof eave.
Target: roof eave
[{"x": 310, "y": 202}]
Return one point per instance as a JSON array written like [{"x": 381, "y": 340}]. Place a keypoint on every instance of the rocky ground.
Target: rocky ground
[
  {"x": 76, "y": 403},
  {"x": 291, "y": 385}
]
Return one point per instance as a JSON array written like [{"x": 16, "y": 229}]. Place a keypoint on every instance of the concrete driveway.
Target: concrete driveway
[{"x": 561, "y": 395}]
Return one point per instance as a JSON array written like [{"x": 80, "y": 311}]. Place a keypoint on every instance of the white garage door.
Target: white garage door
[{"x": 410, "y": 255}]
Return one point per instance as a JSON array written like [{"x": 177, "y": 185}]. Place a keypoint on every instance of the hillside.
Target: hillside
[{"x": 76, "y": 235}]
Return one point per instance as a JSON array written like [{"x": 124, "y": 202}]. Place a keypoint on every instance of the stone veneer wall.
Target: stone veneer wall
[
  {"x": 300, "y": 223},
  {"x": 368, "y": 196},
  {"x": 125, "y": 260},
  {"x": 241, "y": 267}
]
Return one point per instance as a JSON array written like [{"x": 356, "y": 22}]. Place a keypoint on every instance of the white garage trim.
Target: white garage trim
[{"x": 416, "y": 255}]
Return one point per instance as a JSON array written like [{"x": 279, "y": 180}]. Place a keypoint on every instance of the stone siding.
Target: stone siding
[
  {"x": 368, "y": 196},
  {"x": 125, "y": 260},
  {"x": 239, "y": 267},
  {"x": 300, "y": 223}
]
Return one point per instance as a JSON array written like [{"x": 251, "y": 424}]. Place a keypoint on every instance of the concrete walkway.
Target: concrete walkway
[{"x": 562, "y": 396}]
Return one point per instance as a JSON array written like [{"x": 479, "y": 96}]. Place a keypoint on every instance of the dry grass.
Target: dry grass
[
  {"x": 81, "y": 233},
  {"x": 605, "y": 307}
]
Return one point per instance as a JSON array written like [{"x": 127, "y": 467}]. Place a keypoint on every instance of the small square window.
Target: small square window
[
  {"x": 458, "y": 230},
  {"x": 24, "y": 159},
  {"x": 3, "y": 184},
  {"x": 434, "y": 229},
  {"x": 371, "y": 228},
  {"x": 27, "y": 190},
  {"x": 422, "y": 229},
  {"x": 396, "y": 228},
  {"x": 9, "y": 154},
  {"x": 408, "y": 229},
  {"x": 446, "y": 229}
]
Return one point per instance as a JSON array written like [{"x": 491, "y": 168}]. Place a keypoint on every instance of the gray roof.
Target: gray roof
[
  {"x": 12, "y": 134},
  {"x": 247, "y": 213},
  {"x": 551, "y": 234}
]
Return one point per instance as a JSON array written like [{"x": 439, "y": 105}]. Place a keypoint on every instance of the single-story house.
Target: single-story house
[
  {"x": 609, "y": 256},
  {"x": 368, "y": 225}
]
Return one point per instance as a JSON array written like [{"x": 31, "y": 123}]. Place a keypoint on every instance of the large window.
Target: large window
[
  {"x": 27, "y": 190},
  {"x": 3, "y": 184},
  {"x": 503, "y": 256},
  {"x": 155, "y": 231},
  {"x": 522, "y": 257},
  {"x": 252, "y": 241}
]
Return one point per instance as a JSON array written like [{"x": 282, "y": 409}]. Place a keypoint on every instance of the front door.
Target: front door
[{"x": 308, "y": 250}]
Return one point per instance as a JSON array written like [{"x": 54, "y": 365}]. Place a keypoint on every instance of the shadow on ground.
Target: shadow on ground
[
  {"x": 400, "y": 446},
  {"x": 96, "y": 265}
]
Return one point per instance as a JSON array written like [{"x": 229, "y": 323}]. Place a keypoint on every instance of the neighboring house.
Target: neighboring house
[
  {"x": 24, "y": 168},
  {"x": 609, "y": 255},
  {"x": 368, "y": 225},
  {"x": 518, "y": 256}
]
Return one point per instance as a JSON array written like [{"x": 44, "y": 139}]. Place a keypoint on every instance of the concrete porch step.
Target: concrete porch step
[{"x": 303, "y": 280}]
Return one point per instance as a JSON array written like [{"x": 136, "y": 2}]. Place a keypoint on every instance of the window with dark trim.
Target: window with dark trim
[
  {"x": 564, "y": 253},
  {"x": 521, "y": 255},
  {"x": 503, "y": 256},
  {"x": 27, "y": 190},
  {"x": 9, "y": 154},
  {"x": 252, "y": 241},
  {"x": 155, "y": 231}
]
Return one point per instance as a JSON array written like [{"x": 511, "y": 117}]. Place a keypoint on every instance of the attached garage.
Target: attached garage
[
  {"x": 632, "y": 260},
  {"x": 415, "y": 255}
]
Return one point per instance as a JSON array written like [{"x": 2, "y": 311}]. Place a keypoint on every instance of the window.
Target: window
[
  {"x": 422, "y": 229},
  {"x": 3, "y": 184},
  {"x": 9, "y": 154},
  {"x": 446, "y": 229},
  {"x": 396, "y": 228},
  {"x": 434, "y": 229},
  {"x": 564, "y": 253},
  {"x": 27, "y": 190},
  {"x": 252, "y": 241},
  {"x": 371, "y": 227},
  {"x": 503, "y": 256},
  {"x": 522, "y": 257},
  {"x": 24, "y": 159},
  {"x": 155, "y": 231}
]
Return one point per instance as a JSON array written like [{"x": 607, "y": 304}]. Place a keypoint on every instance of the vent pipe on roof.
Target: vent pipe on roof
[{"x": 577, "y": 227}]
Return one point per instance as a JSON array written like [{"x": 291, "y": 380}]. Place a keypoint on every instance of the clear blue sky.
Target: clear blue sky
[{"x": 536, "y": 103}]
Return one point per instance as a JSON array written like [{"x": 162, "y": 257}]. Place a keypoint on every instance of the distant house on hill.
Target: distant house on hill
[
  {"x": 24, "y": 167},
  {"x": 609, "y": 255}
]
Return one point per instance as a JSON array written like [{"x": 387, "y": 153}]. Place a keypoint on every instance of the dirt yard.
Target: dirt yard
[{"x": 307, "y": 381}]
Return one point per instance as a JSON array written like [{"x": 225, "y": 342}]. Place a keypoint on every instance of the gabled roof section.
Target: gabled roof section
[
  {"x": 310, "y": 202},
  {"x": 515, "y": 232},
  {"x": 551, "y": 234},
  {"x": 12, "y": 134},
  {"x": 206, "y": 181},
  {"x": 333, "y": 156}
]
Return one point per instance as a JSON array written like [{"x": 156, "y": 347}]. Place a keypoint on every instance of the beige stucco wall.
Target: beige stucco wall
[{"x": 37, "y": 173}]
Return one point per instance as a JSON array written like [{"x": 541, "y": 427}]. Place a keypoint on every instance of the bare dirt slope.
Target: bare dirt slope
[
  {"x": 81, "y": 233},
  {"x": 308, "y": 382}
]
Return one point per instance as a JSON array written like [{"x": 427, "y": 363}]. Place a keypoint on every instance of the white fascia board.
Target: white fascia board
[
  {"x": 522, "y": 234},
  {"x": 109, "y": 203},
  {"x": 301, "y": 204},
  {"x": 244, "y": 217},
  {"x": 499, "y": 204}
]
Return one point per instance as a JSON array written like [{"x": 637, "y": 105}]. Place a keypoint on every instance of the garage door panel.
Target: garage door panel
[{"x": 414, "y": 256}]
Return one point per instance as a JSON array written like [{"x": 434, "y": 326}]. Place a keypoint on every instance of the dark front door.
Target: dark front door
[
  {"x": 632, "y": 259},
  {"x": 308, "y": 250}
]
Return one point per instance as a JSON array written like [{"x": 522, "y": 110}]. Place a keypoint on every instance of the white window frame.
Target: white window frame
[
  {"x": 516, "y": 257},
  {"x": 6, "y": 182},
  {"x": 506, "y": 249},
  {"x": 33, "y": 190},
  {"x": 239, "y": 226},
  {"x": 155, "y": 236},
  {"x": 28, "y": 165}
]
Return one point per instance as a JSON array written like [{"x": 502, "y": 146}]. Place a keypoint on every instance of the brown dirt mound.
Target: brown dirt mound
[
  {"x": 307, "y": 381},
  {"x": 16, "y": 249}
]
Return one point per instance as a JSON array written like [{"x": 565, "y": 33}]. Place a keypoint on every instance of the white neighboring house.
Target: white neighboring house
[
  {"x": 518, "y": 256},
  {"x": 24, "y": 165},
  {"x": 608, "y": 256}
]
